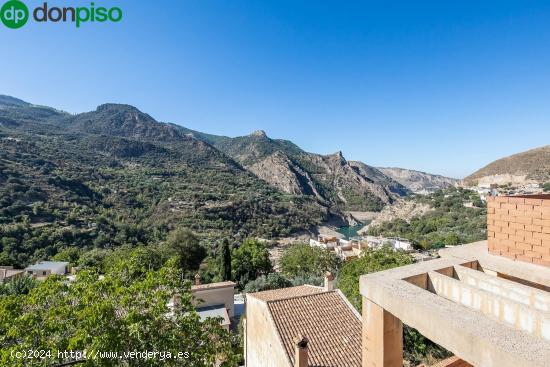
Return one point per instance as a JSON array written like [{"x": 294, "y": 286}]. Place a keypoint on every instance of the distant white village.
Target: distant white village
[
  {"x": 353, "y": 248},
  {"x": 485, "y": 190}
]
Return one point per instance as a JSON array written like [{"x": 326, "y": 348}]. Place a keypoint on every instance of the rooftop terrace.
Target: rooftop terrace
[{"x": 489, "y": 310}]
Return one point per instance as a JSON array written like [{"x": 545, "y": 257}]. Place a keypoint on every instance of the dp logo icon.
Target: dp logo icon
[{"x": 14, "y": 14}]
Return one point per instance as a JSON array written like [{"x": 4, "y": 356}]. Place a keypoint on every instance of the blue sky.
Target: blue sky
[{"x": 439, "y": 86}]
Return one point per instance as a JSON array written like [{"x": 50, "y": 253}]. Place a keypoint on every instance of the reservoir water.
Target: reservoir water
[{"x": 351, "y": 231}]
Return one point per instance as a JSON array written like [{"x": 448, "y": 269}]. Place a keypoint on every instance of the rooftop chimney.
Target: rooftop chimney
[
  {"x": 301, "y": 351},
  {"x": 329, "y": 281},
  {"x": 197, "y": 279}
]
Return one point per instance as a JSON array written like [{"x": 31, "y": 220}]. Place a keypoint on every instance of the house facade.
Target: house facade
[
  {"x": 46, "y": 268},
  {"x": 215, "y": 300},
  {"x": 302, "y": 326}
]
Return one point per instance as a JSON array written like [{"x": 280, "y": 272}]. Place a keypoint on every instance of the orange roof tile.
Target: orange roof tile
[
  {"x": 202, "y": 287},
  {"x": 283, "y": 293},
  {"x": 326, "y": 319}
]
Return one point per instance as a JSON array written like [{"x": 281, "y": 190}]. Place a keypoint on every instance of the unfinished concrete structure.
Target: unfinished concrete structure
[{"x": 490, "y": 308}]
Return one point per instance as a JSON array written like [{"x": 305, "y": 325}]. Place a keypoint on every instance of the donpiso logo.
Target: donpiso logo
[{"x": 15, "y": 14}]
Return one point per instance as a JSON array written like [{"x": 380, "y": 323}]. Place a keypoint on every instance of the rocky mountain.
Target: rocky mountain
[
  {"x": 530, "y": 166},
  {"x": 334, "y": 183},
  {"x": 417, "y": 181},
  {"x": 123, "y": 121},
  {"x": 180, "y": 175},
  {"x": 330, "y": 178},
  {"x": 115, "y": 176},
  {"x": 8, "y": 101},
  {"x": 402, "y": 209}
]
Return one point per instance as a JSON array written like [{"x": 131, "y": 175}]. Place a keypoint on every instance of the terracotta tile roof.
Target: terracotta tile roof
[
  {"x": 326, "y": 319},
  {"x": 283, "y": 293}
]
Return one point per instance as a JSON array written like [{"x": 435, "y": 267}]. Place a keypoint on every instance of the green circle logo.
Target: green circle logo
[{"x": 14, "y": 14}]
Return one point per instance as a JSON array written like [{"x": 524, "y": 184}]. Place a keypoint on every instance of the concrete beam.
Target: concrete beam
[
  {"x": 503, "y": 267},
  {"x": 467, "y": 333},
  {"x": 514, "y": 291},
  {"x": 499, "y": 308},
  {"x": 382, "y": 337}
]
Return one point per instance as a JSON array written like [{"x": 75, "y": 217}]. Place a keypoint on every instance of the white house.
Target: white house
[
  {"x": 215, "y": 300},
  {"x": 45, "y": 268}
]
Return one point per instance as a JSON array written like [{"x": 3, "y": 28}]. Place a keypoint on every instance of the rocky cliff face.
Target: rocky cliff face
[
  {"x": 402, "y": 209},
  {"x": 419, "y": 182},
  {"x": 280, "y": 171},
  {"x": 330, "y": 178}
]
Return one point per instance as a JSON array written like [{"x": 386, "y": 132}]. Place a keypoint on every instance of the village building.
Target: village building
[
  {"x": 8, "y": 273},
  {"x": 46, "y": 268},
  {"x": 215, "y": 300},
  {"x": 302, "y": 326},
  {"x": 351, "y": 249}
]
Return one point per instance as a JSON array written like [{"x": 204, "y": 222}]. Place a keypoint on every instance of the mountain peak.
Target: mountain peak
[
  {"x": 10, "y": 101},
  {"x": 117, "y": 107},
  {"x": 259, "y": 133},
  {"x": 338, "y": 155}
]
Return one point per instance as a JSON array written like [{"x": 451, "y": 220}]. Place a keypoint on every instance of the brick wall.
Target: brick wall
[{"x": 518, "y": 227}]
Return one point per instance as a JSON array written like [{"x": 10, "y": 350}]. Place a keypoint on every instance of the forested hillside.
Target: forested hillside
[
  {"x": 458, "y": 217},
  {"x": 67, "y": 186}
]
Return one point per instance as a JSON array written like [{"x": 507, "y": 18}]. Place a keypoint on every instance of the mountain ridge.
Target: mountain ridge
[
  {"x": 532, "y": 165},
  {"x": 331, "y": 179},
  {"x": 281, "y": 163},
  {"x": 419, "y": 181}
]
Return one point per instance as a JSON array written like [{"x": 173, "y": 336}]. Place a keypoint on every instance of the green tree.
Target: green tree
[
  {"x": 303, "y": 260},
  {"x": 225, "y": 268},
  {"x": 183, "y": 244},
  {"x": 93, "y": 258},
  {"x": 371, "y": 261},
  {"x": 69, "y": 254},
  {"x": 249, "y": 261},
  {"x": 416, "y": 347},
  {"x": 18, "y": 286},
  {"x": 449, "y": 222},
  {"x": 267, "y": 282},
  {"x": 113, "y": 313},
  {"x": 546, "y": 187}
]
